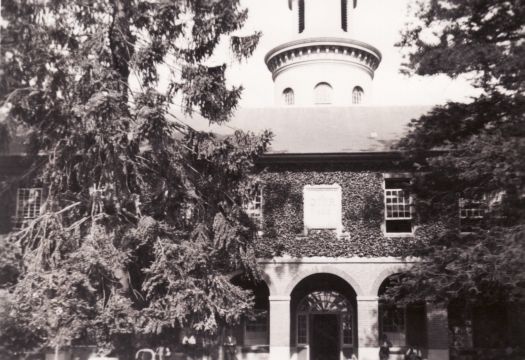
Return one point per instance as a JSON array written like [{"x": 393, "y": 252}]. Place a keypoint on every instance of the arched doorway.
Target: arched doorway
[{"x": 323, "y": 318}]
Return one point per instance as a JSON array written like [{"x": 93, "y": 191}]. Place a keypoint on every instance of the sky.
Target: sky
[{"x": 377, "y": 22}]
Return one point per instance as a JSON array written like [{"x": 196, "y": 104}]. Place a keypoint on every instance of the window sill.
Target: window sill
[
  {"x": 394, "y": 235},
  {"x": 255, "y": 348}
]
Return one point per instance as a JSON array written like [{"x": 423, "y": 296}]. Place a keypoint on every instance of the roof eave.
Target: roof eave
[{"x": 338, "y": 157}]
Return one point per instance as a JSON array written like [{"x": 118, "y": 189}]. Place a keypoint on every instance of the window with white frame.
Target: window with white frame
[
  {"x": 357, "y": 95},
  {"x": 322, "y": 206},
  {"x": 28, "y": 205},
  {"x": 254, "y": 208},
  {"x": 398, "y": 206},
  {"x": 288, "y": 96},
  {"x": 323, "y": 93},
  {"x": 256, "y": 329}
]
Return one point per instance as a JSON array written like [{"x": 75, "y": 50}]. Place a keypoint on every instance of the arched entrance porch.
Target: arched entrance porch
[{"x": 323, "y": 318}]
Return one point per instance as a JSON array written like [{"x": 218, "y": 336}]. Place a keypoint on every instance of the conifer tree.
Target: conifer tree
[{"x": 143, "y": 222}]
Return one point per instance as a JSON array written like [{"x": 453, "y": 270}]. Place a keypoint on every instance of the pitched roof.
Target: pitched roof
[
  {"x": 311, "y": 130},
  {"x": 323, "y": 129}
]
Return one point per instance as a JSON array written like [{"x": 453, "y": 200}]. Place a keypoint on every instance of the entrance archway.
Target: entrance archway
[{"x": 323, "y": 310}]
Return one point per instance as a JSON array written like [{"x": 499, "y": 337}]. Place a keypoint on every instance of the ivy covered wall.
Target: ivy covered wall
[{"x": 362, "y": 214}]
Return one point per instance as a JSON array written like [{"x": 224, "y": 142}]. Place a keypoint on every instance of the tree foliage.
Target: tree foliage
[
  {"x": 472, "y": 151},
  {"x": 143, "y": 218}
]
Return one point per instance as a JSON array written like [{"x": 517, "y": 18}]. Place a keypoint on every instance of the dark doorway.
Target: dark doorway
[{"x": 324, "y": 340}]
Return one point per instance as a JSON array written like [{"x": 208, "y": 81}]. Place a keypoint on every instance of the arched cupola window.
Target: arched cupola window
[
  {"x": 357, "y": 95},
  {"x": 288, "y": 96},
  {"x": 323, "y": 93},
  {"x": 344, "y": 15},
  {"x": 301, "y": 15}
]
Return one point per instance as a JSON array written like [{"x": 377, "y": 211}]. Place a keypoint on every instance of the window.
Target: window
[
  {"x": 302, "y": 329},
  {"x": 473, "y": 209},
  {"x": 393, "y": 324},
  {"x": 301, "y": 16},
  {"x": 344, "y": 15},
  {"x": 256, "y": 329},
  {"x": 28, "y": 205},
  {"x": 323, "y": 93},
  {"x": 288, "y": 96},
  {"x": 254, "y": 208},
  {"x": 398, "y": 206},
  {"x": 346, "y": 320},
  {"x": 322, "y": 207},
  {"x": 320, "y": 302},
  {"x": 471, "y": 214},
  {"x": 357, "y": 95},
  {"x": 253, "y": 330},
  {"x": 187, "y": 212},
  {"x": 404, "y": 325}
]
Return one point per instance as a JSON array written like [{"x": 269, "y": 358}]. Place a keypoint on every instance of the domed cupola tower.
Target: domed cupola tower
[{"x": 323, "y": 65}]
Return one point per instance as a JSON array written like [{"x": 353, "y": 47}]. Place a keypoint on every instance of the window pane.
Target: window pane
[
  {"x": 357, "y": 95},
  {"x": 256, "y": 330},
  {"x": 397, "y": 205},
  {"x": 28, "y": 205},
  {"x": 347, "y": 328},
  {"x": 254, "y": 208},
  {"x": 288, "y": 96},
  {"x": 393, "y": 324},
  {"x": 302, "y": 329}
]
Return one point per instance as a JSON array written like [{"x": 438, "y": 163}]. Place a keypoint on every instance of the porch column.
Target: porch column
[
  {"x": 437, "y": 332},
  {"x": 279, "y": 327},
  {"x": 367, "y": 327}
]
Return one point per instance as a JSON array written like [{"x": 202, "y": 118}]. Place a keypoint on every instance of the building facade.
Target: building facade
[{"x": 336, "y": 221}]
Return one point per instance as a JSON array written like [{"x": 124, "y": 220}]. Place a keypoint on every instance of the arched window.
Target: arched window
[
  {"x": 301, "y": 16},
  {"x": 288, "y": 96},
  {"x": 344, "y": 15},
  {"x": 323, "y": 302},
  {"x": 323, "y": 93},
  {"x": 357, "y": 95}
]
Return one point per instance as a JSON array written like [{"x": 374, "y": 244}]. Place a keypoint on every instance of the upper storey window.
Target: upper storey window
[
  {"x": 323, "y": 93},
  {"x": 288, "y": 96},
  {"x": 344, "y": 15},
  {"x": 398, "y": 206},
  {"x": 254, "y": 208},
  {"x": 301, "y": 16},
  {"x": 471, "y": 213},
  {"x": 28, "y": 205},
  {"x": 357, "y": 95}
]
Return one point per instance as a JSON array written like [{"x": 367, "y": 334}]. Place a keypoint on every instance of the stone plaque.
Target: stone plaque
[{"x": 322, "y": 207}]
